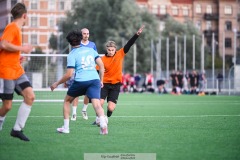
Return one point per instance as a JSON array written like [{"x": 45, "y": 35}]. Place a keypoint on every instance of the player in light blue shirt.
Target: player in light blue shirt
[
  {"x": 84, "y": 63},
  {"x": 86, "y": 81},
  {"x": 84, "y": 43}
]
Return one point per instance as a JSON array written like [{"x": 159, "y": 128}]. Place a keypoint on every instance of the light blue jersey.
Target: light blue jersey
[
  {"x": 90, "y": 45},
  {"x": 82, "y": 59}
]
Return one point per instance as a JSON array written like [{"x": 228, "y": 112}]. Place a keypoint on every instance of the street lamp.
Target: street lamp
[
  {"x": 235, "y": 47},
  {"x": 234, "y": 53}
]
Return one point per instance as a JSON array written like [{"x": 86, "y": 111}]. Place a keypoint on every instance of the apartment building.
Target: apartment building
[
  {"x": 220, "y": 17},
  {"x": 181, "y": 10},
  {"x": 43, "y": 19}
]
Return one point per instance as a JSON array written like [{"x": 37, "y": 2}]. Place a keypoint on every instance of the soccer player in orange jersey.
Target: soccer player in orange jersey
[
  {"x": 12, "y": 74},
  {"x": 112, "y": 79}
]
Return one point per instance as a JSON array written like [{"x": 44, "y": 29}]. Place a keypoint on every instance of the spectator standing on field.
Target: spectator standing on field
[{"x": 220, "y": 80}]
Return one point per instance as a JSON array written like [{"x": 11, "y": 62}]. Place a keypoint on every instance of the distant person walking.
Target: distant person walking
[{"x": 220, "y": 80}]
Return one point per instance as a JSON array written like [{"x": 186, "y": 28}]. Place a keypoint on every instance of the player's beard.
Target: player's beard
[{"x": 85, "y": 38}]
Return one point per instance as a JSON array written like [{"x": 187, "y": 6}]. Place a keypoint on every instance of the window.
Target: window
[
  {"x": 34, "y": 39},
  {"x": 228, "y": 9},
  {"x": 198, "y": 25},
  {"x": 228, "y": 42},
  {"x": 185, "y": 11},
  {"x": 61, "y": 5},
  {"x": 228, "y": 26},
  {"x": 209, "y": 9},
  {"x": 33, "y": 21},
  {"x": 51, "y": 4},
  {"x": 163, "y": 10},
  {"x": 154, "y": 9},
  {"x": 13, "y": 2},
  {"x": 174, "y": 10},
  {"x": 209, "y": 41},
  {"x": 198, "y": 8},
  {"x": 34, "y": 4},
  {"x": 60, "y": 22},
  {"x": 143, "y": 7},
  {"x": 51, "y": 22},
  {"x": 208, "y": 25}
]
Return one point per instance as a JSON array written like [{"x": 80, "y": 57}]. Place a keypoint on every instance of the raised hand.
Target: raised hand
[{"x": 140, "y": 30}]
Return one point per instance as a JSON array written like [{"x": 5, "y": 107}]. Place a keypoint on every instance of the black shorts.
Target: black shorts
[
  {"x": 160, "y": 82},
  {"x": 111, "y": 92},
  {"x": 192, "y": 84}
]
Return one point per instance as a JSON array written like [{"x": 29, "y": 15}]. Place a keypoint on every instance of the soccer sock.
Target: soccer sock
[
  {"x": 2, "y": 118},
  {"x": 74, "y": 110},
  {"x": 84, "y": 109},
  {"x": 22, "y": 116},
  {"x": 103, "y": 123},
  {"x": 66, "y": 124},
  {"x": 1, "y": 121},
  {"x": 109, "y": 113}
]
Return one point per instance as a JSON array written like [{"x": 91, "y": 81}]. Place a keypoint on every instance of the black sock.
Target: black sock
[{"x": 109, "y": 113}]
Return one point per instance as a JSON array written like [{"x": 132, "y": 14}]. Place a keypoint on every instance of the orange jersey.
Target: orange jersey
[
  {"x": 10, "y": 67},
  {"x": 113, "y": 67}
]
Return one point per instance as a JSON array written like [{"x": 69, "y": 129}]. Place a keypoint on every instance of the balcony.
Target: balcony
[
  {"x": 208, "y": 33},
  {"x": 238, "y": 34},
  {"x": 162, "y": 16},
  {"x": 238, "y": 17},
  {"x": 212, "y": 16},
  {"x": 238, "y": 50}
]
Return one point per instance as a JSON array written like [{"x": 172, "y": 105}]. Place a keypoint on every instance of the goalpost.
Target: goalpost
[{"x": 43, "y": 70}]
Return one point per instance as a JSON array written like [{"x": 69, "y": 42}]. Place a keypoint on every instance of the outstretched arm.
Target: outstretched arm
[
  {"x": 132, "y": 40},
  {"x": 65, "y": 77}
]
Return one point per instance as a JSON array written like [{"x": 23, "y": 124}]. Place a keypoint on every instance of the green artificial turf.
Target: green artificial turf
[{"x": 186, "y": 127}]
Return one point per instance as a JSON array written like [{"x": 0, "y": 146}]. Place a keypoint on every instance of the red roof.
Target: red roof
[
  {"x": 142, "y": 1},
  {"x": 182, "y": 1}
]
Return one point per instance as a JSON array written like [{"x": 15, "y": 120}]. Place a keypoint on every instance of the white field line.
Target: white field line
[
  {"x": 149, "y": 103},
  {"x": 180, "y": 116},
  {"x": 146, "y": 101}
]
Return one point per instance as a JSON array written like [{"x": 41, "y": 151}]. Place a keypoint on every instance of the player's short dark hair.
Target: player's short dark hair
[
  {"x": 18, "y": 10},
  {"x": 74, "y": 37}
]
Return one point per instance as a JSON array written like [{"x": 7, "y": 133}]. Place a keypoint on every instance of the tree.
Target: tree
[
  {"x": 174, "y": 28},
  {"x": 117, "y": 21},
  {"x": 53, "y": 42}
]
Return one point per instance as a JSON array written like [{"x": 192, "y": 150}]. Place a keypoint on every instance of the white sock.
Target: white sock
[
  {"x": 84, "y": 107},
  {"x": 66, "y": 124},
  {"x": 103, "y": 123},
  {"x": 74, "y": 110},
  {"x": 22, "y": 116},
  {"x": 1, "y": 121},
  {"x": 2, "y": 118}
]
